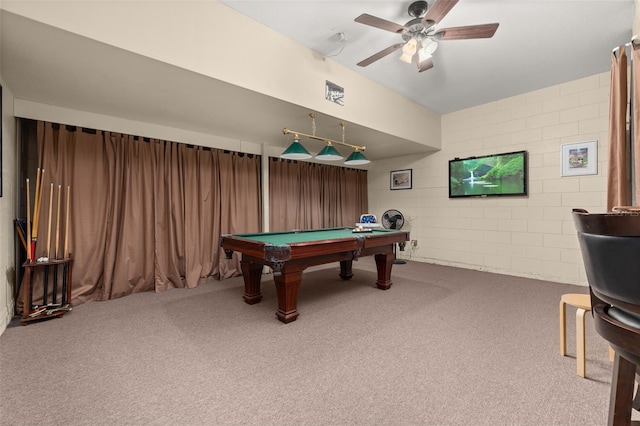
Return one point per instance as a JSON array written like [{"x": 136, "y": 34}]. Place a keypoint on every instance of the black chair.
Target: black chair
[{"x": 610, "y": 244}]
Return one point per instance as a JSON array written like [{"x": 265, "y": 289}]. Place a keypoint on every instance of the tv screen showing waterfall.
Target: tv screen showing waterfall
[{"x": 489, "y": 175}]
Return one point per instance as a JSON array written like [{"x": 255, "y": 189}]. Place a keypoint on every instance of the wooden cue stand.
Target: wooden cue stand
[{"x": 53, "y": 271}]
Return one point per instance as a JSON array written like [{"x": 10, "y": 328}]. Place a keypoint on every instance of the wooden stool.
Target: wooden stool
[{"x": 583, "y": 304}]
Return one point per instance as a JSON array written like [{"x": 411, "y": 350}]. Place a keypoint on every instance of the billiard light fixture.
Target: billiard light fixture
[{"x": 296, "y": 151}]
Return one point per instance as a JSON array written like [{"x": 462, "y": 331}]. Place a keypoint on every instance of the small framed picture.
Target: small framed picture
[
  {"x": 401, "y": 179},
  {"x": 334, "y": 93},
  {"x": 579, "y": 159}
]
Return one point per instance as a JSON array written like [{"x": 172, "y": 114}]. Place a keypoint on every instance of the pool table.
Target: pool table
[{"x": 290, "y": 253}]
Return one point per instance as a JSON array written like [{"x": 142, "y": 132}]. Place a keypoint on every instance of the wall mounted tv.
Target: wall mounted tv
[{"x": 489, "y": 175}]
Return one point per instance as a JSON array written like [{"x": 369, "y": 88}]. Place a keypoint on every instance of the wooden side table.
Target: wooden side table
[{"x": 53, "y": 271}]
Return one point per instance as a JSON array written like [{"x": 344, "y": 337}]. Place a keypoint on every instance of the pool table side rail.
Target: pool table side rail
[{"x": 360, "y": 243}]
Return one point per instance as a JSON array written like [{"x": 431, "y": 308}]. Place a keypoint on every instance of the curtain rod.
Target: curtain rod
[
  {"x": 615, "y": 49},
  {"x": 635, "y": 42}
]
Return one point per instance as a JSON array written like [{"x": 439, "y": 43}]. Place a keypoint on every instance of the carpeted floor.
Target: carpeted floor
[{"x": 443, "y": 346}]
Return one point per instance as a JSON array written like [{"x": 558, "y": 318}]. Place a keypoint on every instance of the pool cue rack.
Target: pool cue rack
[
  {"x": 53, "y": 268},
  {"x": 56, "y": 272}
]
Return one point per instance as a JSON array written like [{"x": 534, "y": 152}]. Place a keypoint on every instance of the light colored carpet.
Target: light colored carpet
[{"x": 443, "y": 346}]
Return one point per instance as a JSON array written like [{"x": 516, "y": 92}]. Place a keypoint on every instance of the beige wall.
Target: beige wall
[
  {"x": 7, "y": 207},
  {"x": 179, "y": 32},
  {"x": 636, "y": 20},
  {"x": 530, "y": 236}
]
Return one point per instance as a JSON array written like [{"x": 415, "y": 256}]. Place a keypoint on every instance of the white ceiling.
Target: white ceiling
[{"x": 539, "y": 43}]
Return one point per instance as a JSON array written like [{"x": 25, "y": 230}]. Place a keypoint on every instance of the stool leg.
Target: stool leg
[
  {"x": 563, "y": 329},
  {"x": 612, "y": 353},
  {"x": 580, "y": 343}
]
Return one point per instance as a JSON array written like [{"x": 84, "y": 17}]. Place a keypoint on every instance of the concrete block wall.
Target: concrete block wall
[
  {"x": 530, "y": 236},
  {"x": 7, "y": 207}
]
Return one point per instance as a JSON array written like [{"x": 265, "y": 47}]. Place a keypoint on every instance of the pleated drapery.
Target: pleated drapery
[
  {"x": 617, "y": 186},
  {"x": 310, "y": 195},
  {"x": 146, "y": 214},
  {"x": 635, "y": 57}
]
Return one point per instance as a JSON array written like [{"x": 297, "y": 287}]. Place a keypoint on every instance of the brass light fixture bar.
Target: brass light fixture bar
[
  {"x": 297, "y": 152},
  {"x": 296, "y": 135}
]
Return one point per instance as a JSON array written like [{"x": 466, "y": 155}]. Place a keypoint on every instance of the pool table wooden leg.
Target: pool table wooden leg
[
  {"x": 384, "y": 262},
  {"x": 251, "y": 272},
  {"x": 346, "y": 272},
  {"x": 287, "y": 286}
]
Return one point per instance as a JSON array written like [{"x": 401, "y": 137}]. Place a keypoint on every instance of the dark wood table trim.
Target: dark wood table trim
[{"x": 288, "y": 261}]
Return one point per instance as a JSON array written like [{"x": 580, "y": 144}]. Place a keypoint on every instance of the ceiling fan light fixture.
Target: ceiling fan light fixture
[
  {"x": 423, "y": 56},
  {"x": 426, "y": 15},
  {"x": 409, "y": 50},
  {"x": 406, "y": 58},
  {"x": 410, "y": 47},
  {"x": 296, "y": 151},
  {"x": 429, "y": 46},
  {"x": 329, "y": 153}
]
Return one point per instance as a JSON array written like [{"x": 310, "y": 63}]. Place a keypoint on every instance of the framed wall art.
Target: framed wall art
[
  {"x": 334, "y": 93},
  {"x": 580, "y": 158},
  {"x": 401, "y": 179}
]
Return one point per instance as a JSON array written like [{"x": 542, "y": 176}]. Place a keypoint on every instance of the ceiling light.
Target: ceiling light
[
  {"x": 409, "y": 50},
  {"x": 429, "y": 46},
  {"x": 356, "y": 158},
  {"x": 329, "y": 153},
  {"x": 297, "y": 152}
]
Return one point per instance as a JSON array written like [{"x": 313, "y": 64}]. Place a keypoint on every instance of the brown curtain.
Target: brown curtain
[
  {"x": 144, "y": 214},
  {"x": 309, "y": 195},
  {"x": 617, "y": 189},
  {"x": 635, "y": 52}
]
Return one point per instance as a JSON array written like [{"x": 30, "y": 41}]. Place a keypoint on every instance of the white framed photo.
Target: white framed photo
[
  {"x": 401, "y": 179},
  {"x": 580, "y": 158},
  {"x": 334, "y": 93}
]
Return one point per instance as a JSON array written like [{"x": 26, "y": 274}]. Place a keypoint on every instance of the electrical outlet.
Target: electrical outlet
[{"x": 414, "y": 243}]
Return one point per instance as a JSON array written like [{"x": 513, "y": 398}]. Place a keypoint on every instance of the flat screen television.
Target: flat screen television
[{"x": 489, "y": 175}]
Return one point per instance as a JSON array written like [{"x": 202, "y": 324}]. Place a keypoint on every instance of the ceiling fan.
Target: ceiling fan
[{"x": 420, "y": 35}]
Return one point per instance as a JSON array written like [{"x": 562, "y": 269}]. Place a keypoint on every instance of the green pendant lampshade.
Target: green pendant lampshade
[
  {"x": 356, "y": 158},
  {"x": 296, "y": 152},
  {"x": 330, "y": 153}
]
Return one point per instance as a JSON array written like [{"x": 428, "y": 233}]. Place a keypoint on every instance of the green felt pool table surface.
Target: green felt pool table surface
[{"x": 293, "y": 237}]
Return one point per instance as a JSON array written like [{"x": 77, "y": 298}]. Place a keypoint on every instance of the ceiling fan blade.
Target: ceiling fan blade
[
  {"x": 468, "y": 32},
  {"x": 425, "y": 65},
  {"x": 439, "y": 10},
  {"x": 383, "y": 24},
  {"x": 381, "y": 54}
]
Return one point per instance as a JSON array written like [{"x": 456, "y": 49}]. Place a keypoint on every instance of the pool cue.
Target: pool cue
[
  {"x": 66, "y": 227},
  {"x": 38, "y": 211},
  {"x": 58, "y": 223},
  {"x": 28, "y": 221},
  {"x": 36, "y": 206},
  {"x": 45, "y": 285},
  {"x": 54, "y": 294},
  {"x": 29, "y": 258},
  {"x": 65, "y": 254},
  {"x": 21, "y": 235},
  {"x": 49, "y": 230}
]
